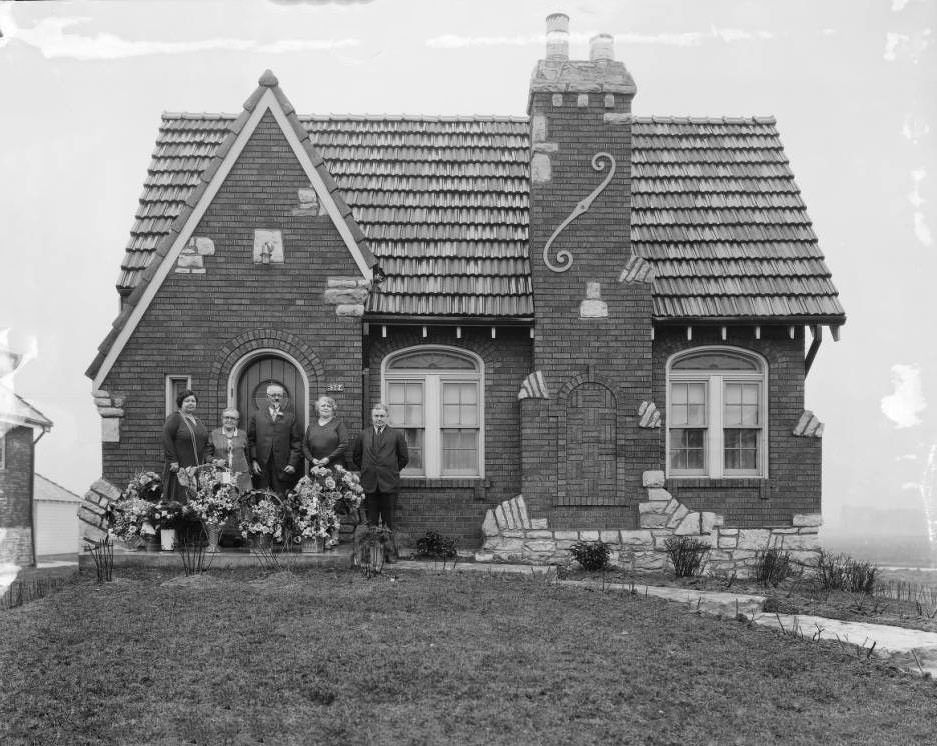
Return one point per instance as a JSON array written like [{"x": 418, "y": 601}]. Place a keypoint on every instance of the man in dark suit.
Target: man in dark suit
[
  {"x": 274, "y": 438},
  {"x": 381, "y": 452}
]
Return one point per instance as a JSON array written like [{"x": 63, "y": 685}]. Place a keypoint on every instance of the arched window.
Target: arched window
[
  {"x": 716, "y": 414},
  {"x": 435, "y": 394}
]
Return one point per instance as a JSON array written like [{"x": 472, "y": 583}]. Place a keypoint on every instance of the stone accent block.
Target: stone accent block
[
  {"x": 808, "y": 519},
  {"x": 655, "y": 507},
  {"x": 490, "y": 524},
  {"x": 609, "y": 537},
  {"x": 589, "y": 535},
  {"x": 689, "y": 526},
  {"x": 349, "y": 309},
  {"x": 656, "y": 494},
  {"x": 676, "y": 518},
  {"x": 539, "y": 523},
  {"x": 566, "y": 535},
  {"x": 636, "y": 538},
  {"x": 652, "y": 479},
  {"x": 539, "y": 534},
  {"x": 754, "y": 538}
]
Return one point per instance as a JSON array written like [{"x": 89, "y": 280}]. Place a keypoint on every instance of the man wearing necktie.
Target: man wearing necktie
[
  {"x": 275, "y": 441},
  {"x": 381, "y": 452}
]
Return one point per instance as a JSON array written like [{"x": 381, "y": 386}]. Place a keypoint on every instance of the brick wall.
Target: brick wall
[
  {"x": 202, "y": 324},
  {"x": 793, "y": 484},
  {"x": 456, "y": 507},
  {"x": 16, "y": 498},
  {"x": 606, "y": 358}
]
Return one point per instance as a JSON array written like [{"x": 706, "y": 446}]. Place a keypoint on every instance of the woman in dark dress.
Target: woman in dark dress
[
  {"x": 184, "y": 442},
  {"x": 325, "y": 442}
]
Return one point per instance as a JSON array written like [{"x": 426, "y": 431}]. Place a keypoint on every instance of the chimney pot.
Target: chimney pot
[
  {"x": 558, "y": 36},
  {"x": 602, "y": 47}
]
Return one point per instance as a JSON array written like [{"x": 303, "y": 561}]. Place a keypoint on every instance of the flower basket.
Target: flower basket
[
  {"x": 263, "y": 519},
  {"x": 316, "y": 503}
]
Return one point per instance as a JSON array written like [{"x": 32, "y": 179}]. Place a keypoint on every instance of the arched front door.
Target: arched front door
[{"x": 260, "y": 373}]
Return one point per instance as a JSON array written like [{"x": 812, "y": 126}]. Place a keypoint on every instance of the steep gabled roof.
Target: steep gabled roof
[
  {"x": 716, "y": 212},
  {"x": 442, "y": 200},
  {"x": 443, "y": 204},
  {"x": 186, "y": 176}
]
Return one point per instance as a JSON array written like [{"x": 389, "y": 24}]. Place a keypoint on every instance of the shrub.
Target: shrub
[
  {"x": 687, "y": 554},
  {"x": 773, "y": 566},
  {"x": 433, "y": 545},
  {"x": 591, "y": 555},
  {"x": 840, "y": 572}
]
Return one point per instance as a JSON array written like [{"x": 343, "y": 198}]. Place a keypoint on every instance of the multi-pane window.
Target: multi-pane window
[
  {"x": 175, "y": 385},
  {"x": 435, "y": 396},
  {"x": 716, "y": 414}
]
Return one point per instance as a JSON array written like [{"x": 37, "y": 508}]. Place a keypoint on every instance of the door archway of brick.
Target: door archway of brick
[{"x": 591, "y": 446}]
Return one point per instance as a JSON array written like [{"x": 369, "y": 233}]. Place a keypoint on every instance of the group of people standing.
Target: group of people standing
[{"x": 271, "y": 452}]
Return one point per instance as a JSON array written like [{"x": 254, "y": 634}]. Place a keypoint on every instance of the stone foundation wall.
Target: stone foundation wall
[{"x": 511, "y": 536}]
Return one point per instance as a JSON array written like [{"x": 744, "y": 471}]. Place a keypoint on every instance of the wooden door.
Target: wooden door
[{"x": 260, "y": 373}]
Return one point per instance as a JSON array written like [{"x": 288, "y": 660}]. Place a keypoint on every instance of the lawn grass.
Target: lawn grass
[{"x": 329, "y": 657}]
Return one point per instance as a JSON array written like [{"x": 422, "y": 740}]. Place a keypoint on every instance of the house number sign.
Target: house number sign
[{"x": 332, "y": 387}]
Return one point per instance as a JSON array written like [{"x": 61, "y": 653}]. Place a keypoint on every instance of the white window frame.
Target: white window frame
[
  {"x": 170, "y": 395},
  {"x": 714, "y": 441},
  {"x": 3, "y": 451},
  {"x": 432, "y": 380}
]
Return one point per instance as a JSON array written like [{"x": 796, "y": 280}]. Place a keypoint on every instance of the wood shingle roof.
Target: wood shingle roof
[{"x": 443, "y": 203}]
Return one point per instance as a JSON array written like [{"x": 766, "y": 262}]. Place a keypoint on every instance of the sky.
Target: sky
[{"x": 851, "y": 82}]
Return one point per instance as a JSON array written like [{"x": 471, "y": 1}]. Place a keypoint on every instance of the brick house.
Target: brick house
[
  {"x": 21, "y": 427},
  {"x": 589, "y": 323}
]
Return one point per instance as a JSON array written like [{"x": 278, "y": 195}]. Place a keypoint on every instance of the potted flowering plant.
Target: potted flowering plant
[
  {"x": 263, "y": 518},
  {"x": 213, "y": 497},
  {"x": 350, "y": 492}
]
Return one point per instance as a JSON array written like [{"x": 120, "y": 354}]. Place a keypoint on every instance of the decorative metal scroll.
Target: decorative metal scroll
[{"x": 564, "y": 258}]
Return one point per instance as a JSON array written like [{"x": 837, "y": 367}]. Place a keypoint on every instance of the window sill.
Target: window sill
[
  {"x": 457, "y": 482},
  {"x": 727, "y": 482}
]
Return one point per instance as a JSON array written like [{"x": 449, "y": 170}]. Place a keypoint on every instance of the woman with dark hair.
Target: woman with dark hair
[{"x": 184, "y": 442}]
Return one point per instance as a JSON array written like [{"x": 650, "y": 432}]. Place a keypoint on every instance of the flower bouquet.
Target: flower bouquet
[
  {"x": 350, "y": 491},
  {"x": 213, "y": 498},
  {"x": 130, "y": 519},
  {"x": 311, "y": 512},
  {"x": 147, "y": 485},
  {"x": 263, "y": 518}
]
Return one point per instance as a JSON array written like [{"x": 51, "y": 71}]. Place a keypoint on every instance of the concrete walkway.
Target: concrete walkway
[{"x": 913, "y": 650}]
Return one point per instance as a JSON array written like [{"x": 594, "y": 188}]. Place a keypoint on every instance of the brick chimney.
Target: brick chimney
[{"x": 592, "y": 332}]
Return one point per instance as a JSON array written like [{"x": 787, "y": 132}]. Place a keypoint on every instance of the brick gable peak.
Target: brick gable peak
[{"x": 268, "y": 97}]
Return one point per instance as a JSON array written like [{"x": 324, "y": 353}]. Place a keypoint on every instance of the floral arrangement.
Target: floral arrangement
[
  {"x": 311, "y": 513},
  {"x": 131, "y": 518},
  {"x": 168, "y": 514},
  {"x": 147, "y": 485},
  {"x": 216, "y": 495},
  {"x": 263, "y": 515},
  {"x": 317, "y": 501}
]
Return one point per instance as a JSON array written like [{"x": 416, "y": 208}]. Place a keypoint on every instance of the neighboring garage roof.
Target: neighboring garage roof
[
  {"x": 15, "y": 410},
  {"x": 46, "y": 490}
]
